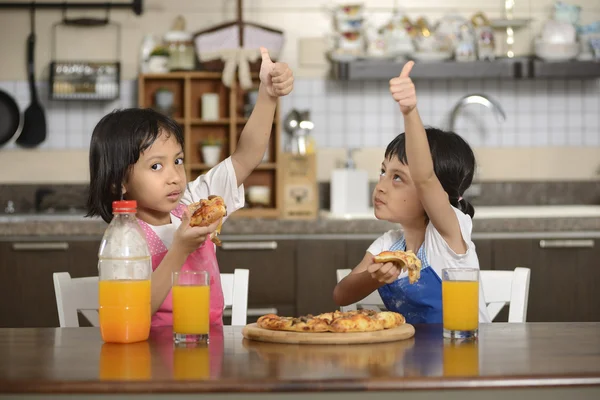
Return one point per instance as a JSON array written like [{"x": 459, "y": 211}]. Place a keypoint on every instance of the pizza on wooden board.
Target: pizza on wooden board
[
  {"x": 208, "y": 211},
  {"x": 405, "y": 260},
  {"x": 337, "y": 322}
]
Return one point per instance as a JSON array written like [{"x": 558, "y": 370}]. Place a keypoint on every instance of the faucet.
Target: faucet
[{"x": 477, "y": 99}]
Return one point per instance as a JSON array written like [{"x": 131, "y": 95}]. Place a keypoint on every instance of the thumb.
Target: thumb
[
  {"x": 264, "y": 53},
  {"x": 406, "y": 69},
  {"x": 185, "y": 217}
]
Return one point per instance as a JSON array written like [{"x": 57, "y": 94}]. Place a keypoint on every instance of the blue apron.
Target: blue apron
[{"x": 420, "y": 302}]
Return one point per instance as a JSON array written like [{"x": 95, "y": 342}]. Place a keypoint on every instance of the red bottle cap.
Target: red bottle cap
[{"x": 124, "y": 206}]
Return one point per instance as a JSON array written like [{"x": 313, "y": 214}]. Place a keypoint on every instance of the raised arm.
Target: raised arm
[
  {"x": 276, "y": 79},
  {"x": 420, "y": 164}
]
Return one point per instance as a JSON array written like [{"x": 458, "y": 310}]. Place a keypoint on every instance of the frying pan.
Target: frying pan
[{"x": 10, "y": 117}]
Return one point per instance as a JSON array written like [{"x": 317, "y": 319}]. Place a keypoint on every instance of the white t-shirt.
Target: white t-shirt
[
  {"x": 439, "y": 254},
  {"x": 219, "y": 180}
]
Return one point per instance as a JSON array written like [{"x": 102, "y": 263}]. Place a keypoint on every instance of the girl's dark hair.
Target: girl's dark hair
[
  {"x": 453, "y": 163},
  {"x": 117, "y": 142}
]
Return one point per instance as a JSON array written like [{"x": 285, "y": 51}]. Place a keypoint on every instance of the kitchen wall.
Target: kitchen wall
[{"x": 544, "y": 118}]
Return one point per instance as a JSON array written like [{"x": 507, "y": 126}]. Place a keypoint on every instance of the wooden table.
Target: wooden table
[{"x": 548, "y": 359}]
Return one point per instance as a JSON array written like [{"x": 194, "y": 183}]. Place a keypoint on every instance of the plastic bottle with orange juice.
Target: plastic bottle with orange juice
[{"x": 124, "y": 270}]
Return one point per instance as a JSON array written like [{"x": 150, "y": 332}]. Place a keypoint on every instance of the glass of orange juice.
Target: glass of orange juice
[
  {"x": 191, "y": 306},
  {"x": 460, "y": 302}
]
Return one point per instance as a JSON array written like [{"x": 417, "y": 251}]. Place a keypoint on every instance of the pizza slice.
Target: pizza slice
[
  {"x": 390, "y": 319},
  {"x": 302, "y": 324},
  {"x": 208, "y": 211},
  {"x": 406, "y": 260}
]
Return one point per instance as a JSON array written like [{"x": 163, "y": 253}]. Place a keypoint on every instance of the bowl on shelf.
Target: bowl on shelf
[{"x": 555, "y": 52}]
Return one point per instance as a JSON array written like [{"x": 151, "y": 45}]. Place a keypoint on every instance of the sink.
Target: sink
[{"x": 497, "y": 212}]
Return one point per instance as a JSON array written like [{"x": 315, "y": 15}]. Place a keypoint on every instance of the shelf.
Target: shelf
[
  {"x": 503, "y": 68},
  {"x": 565, "y": 70},
  {"x": 183, "y": 75},
  {"x": 199, "y": 121},
  {"x": 180, "y": 121},
  {"x": 243, "y": 121},
  {"x": 387, "y": 69}
]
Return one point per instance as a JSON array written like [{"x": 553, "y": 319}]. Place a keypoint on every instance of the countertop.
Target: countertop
[
  {"x": 506, "y": 356},
  {"x": 488, "y": 220}
]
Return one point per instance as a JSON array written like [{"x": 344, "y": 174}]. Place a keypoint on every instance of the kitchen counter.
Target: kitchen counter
[
  {"x": 487, "y": 221},
  {"x": 553, "y": 360}
]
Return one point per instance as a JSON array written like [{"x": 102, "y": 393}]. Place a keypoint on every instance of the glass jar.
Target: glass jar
[{"x": 181, "y": 51}]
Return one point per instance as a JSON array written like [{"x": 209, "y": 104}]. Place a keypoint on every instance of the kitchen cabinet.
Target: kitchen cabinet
[
  {"x": 484, "y": 253},
  {"x": 27, "y": 286},
  {"x": 565, "y": 276},
  {"x": 317, "y": 262},
  {"x": 297, "y": 276},
  {"x": 272, "y": 265}
]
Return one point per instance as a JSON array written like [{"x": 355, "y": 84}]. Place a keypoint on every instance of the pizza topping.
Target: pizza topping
[
  {"x": 208, "y": 211},
  {"x": 337, "y": 321}
]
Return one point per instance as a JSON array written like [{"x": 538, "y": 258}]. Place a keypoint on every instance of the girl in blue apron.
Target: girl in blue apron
[{"x": 423, "y": 177}]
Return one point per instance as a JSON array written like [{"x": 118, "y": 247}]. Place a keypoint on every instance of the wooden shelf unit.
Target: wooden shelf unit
[{"x": 188, "y": 88}]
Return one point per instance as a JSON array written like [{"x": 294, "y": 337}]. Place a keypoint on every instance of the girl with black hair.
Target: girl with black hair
[
  {"x": 424, "y": 175},
  {"x": 138, "y": 155}
]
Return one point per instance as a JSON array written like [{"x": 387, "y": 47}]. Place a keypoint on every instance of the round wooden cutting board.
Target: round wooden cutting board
[{"x": 253, "y": 332}]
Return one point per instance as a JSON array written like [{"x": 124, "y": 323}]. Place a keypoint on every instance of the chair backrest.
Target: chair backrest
[
  {"x": 73, "y": 295},
  {"x": 81, "y": 294},
  {"x": 500, "y": 288},
  {"x": 371, "y": 302},
  {"x": 510, "y": 288},
  {"x": 235, "y": 294}
]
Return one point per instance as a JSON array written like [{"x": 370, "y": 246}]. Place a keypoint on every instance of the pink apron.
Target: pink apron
[{"x": 202, "y": 259}]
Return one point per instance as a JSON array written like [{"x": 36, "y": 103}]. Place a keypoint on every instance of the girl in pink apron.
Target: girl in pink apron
[{"x": 137, "y": 154}]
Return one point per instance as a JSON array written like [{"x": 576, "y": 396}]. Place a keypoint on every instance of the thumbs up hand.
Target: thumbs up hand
[
  {"x": 276, "y": 77},
  {"x": 403, "y": 89}
]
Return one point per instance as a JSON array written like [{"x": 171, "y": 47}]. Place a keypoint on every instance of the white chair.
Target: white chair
[
  {"x": 371, "y": 302},
  {"x": 73, "y": 295},
  {"x": 235, "y": 294},
  {"x": 499, "y": 289},
  {"x": 510, "y": 288},
  {"x": 81, "y": 294}
]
